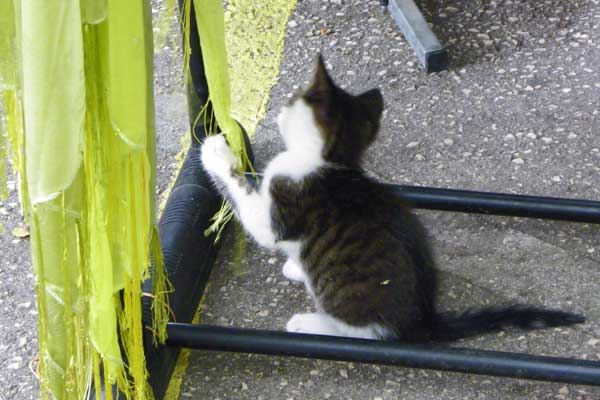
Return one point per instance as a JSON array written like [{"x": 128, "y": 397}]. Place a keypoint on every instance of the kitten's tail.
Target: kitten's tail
[{"x": 448, "y": 327}]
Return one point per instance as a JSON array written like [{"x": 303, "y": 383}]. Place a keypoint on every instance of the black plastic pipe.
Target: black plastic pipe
[
  {"x": 188, "y": 254},
  {"x": 513, "y": 365}
]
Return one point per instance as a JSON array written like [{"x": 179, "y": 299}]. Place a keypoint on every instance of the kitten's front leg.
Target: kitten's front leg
[
  {"x": 252, "y": 208},
  {"x": 217, "y": 158}
]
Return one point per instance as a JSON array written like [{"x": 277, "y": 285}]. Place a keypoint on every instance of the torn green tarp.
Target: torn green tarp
[{"x": 77, "y": 97}]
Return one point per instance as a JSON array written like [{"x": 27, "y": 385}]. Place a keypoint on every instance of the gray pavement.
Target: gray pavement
[{"x": 518, "y": 113}]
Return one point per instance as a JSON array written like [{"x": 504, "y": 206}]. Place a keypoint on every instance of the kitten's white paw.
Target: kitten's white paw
[
  {"x": 313, "y": 323},
  {"x": 293, "y": 271},
  {"x": 216, "y": 155}
]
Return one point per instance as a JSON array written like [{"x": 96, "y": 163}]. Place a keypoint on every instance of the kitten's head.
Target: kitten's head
[{"x": 330, "y": 122}]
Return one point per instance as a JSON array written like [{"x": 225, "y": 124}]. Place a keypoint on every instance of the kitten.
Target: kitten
[{"x": 361, "y": 253}]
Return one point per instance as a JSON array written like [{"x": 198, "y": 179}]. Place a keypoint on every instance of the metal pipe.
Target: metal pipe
[
  {"x": 523, "y": 366},
  {"x": 431, "y": 54},
  {"x": 513, "y": 205},
  {"x": 501, "y": 204}
]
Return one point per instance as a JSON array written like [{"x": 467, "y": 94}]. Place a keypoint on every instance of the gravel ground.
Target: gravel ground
[{"x": 517, "y": 112}]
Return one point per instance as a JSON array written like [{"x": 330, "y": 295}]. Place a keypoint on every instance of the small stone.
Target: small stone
[
  {"x": 466, "y": 92},
  {"x": 510, "y": 136},
  {"x": 382, "y": 73},
  {"x": 20, "y": 232},
  {"x": 14, "y": 365},
  {"x": 571, "y": 136},
  {"x": 27, "y": 304},
  {"x": 563, "y": 390},
  {"x": 292, "y": 24},
  {"x": 518, "y": 161},
  {"x": 244, "y": 386},
  {"x": 547, "y": 140},
  {"x": 21, "y": 342},
  {"x": 448, "y": 142},
  {"x": 272, "y": 260},
  {"x": 419, "y": 157},
  {"x": 412, "y": 145},
  {"x": 532, "y": 135},
  {"x": 566, "y": 90},
  {"x": 556, "y": 178},
  {"x": 593, "y": 342},
  {"x": 314, "y": 372},
  {"x": 263, "y": 313},
  {"x": 343, "y": 373}
]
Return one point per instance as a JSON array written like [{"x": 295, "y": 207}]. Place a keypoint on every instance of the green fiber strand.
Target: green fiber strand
[
  {"x": 161, "y": 288},
  {"x": 211, "y": 29}
]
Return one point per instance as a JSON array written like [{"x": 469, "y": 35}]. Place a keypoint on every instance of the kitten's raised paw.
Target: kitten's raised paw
[
  {"x": 293, "y": 271},
  {"x": 216, "y": 155}
]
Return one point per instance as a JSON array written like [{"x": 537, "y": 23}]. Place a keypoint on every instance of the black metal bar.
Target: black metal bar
[
  {"x": 512, "y": 205},
  {"x": 501, "y": 204},
  {"x": 513, "y": 365},
  {"x": 431, "y": 54}
]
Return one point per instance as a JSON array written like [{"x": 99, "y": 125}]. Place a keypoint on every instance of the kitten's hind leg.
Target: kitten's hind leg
[
  {"x": 293, "y": 271},
  {"x": 325, "y": 324}
]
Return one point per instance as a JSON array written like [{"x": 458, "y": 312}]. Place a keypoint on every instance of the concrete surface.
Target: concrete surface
[{"x": 518, "y": 112}]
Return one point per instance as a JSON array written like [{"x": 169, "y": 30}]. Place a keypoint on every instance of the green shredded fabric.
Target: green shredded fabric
[
  {"x": 211, "y": 29},
  {"x": 86, "y": 163},
  {"x": 78, "y": 75}
]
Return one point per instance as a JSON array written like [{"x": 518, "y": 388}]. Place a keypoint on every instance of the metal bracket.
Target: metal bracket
[{"x": 431, "y": 54}]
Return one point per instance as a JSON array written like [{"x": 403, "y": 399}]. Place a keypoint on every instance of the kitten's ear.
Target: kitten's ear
[
  {"x": 322, "y": 85},
  {"x": 372, "y": 101}
]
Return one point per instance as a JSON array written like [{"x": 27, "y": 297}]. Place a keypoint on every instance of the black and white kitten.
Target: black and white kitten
[{"x": 359, "y": 250}]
